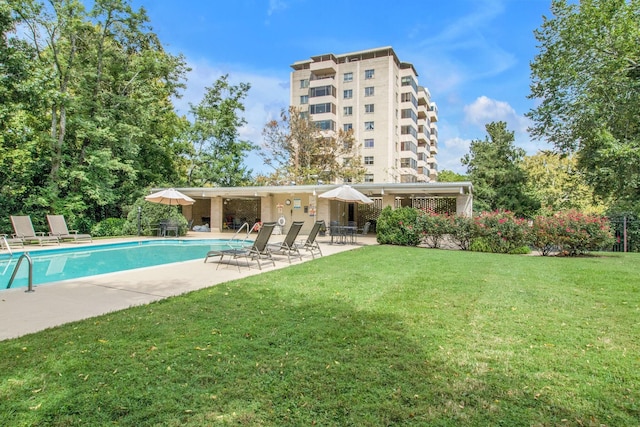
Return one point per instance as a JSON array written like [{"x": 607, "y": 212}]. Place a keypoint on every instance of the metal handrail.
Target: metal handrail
[
  {"x": 6, "y": 244},
  {"x": 15, "y": 271},
  {"x": 239, "y": 230}
]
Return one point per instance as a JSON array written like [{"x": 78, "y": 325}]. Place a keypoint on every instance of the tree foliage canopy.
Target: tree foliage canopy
[
  {"x": 217, "y": 154},
  {"x": 559, "y": 185},
  {"x": 587, "y": 79},
  {"x": 494, "y": 167},
  {"x": 299, "y": 152},
  {"x": 87, "y": 120}
]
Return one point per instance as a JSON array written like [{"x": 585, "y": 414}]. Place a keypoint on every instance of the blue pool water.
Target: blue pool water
[{"x": 54, "y": 265}]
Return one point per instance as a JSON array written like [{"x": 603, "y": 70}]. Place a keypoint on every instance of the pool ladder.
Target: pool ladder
[{"x": 15, "y": 271}]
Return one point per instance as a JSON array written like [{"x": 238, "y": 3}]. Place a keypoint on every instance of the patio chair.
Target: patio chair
[
  {"x": 288, "y": 246},
  {"x": 58, "y": 228},
  {"x": 310, "y": 244},
  {"x": 364, "y": 231},
  {"x": 23, "y": 229},
  {"x": 259, "y": 250},
  {"x": 7, "y": 242}
]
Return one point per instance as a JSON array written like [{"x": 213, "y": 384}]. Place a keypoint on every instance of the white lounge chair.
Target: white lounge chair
[
  {"x": 23, "y": 229},
  {"x": 58, "y": 228}
]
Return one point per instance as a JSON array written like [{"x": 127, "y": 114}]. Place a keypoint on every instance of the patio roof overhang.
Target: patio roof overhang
[{"x": 431, "y": 189}]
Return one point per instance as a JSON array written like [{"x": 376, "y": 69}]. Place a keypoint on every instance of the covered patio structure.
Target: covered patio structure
[{"x": 226, "y": 208}]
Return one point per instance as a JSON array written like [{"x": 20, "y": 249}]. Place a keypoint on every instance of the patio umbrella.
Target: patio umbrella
[
  {"x": 346, "y": 193},
  {"x": 170, "y": 197}
]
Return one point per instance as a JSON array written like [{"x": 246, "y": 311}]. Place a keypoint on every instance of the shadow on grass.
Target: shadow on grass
[{"x": 254, "y": 353}]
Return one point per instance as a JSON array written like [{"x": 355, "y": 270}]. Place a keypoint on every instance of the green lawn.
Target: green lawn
[{"x": 377, "y": 336}]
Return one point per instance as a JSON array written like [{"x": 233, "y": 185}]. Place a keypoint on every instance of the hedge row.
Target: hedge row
[{"x": 570, "y": 233}]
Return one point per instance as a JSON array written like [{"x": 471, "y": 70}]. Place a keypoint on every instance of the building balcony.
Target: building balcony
[
  {"x": 422, "y": 136},
  {"x": 433, "y": 112},
  {"x": 423, "y": 111},
  {"x": 324, "y": 65}
]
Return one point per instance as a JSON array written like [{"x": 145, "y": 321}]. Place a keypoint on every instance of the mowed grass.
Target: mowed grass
[{"x": 376, "y": 336}]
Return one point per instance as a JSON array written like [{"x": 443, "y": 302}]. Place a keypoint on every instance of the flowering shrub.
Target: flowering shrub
[
  {"x": 463, "y": 231},
  {"x": 434, "y": 227},
  {"x": 544, "y": 233},
  {"x": 501, "y": 232},
  {"x": 398, "y": 227},
  {"x": 571, "y": 232}
]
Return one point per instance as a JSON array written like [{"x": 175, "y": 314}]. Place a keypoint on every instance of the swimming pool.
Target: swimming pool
[{"x": 58, "y": 264}]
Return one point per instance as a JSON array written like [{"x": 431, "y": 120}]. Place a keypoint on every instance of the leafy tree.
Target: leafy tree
[
  {"x": 109, "y": 129},
  {"x": 451, "y": 176},
  {"x": 298, "y": 151},
  {"x": 23, "y": 92},
  {"x": 217, "y": 155},
  {"x": 557, "y": 183},
  {"x": 494, "y": 167},
  {"x": 587, "y": 80}
]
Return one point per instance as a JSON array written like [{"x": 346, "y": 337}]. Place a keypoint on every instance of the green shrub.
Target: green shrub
[
  {"x": 544, "y": 234},
  {"x": 150, "y": 216},
  {"x": 502, "y": 231},
  {"x": 463, "y": 231},
  {"x": 398, "y": 227},
  {"x": 434, "y": 227},
  {"x": 581, "y": 233},
  {"x": 480, "y": 244},
  {"x": 108, "y": 227}
]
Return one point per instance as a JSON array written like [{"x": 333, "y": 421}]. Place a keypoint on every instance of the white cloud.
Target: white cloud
[
  {"x": 450, "y": 151},
  {"x": 485, "y": 110},
  {"x": 276, "y": 5}
]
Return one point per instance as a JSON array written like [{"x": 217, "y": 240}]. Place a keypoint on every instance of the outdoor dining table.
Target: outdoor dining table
[
  {"x": 343, "y": 233},
  {"x": 164, "y": 226}
]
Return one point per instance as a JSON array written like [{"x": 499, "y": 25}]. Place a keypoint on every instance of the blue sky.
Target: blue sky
[{"x": 473, "y": 55}]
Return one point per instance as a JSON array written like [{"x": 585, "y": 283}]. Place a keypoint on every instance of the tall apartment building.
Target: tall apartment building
[{"x": 376, "y": 95}]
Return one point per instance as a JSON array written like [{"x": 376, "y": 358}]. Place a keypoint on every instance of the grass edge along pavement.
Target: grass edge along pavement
[{"x": 382, "y": 335}]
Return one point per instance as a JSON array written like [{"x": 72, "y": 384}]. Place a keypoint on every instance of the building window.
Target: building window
[
  {"x": 369, "y": 91},
  {"x": 408, "y": 146},
  {"x": 409, "y": 97},
  {"x": 368, "y": 143},
  {"x": 409, "y": 130},
  {"x": 348, "y": 94},
  {"x": 368, "y": 160},
  {"x": 408, "y": 113},
  {"x": 347, "y": 111},
  {"x": 322, "y": 108},
  {"x": 322, "y": 91},
  {"x": 347, "y": 127},
  {"x": 304, "y": 99},
  {"x": 326, "y": 125},
  {"x": 408, "y": 162},
  {"x": 368, "y": 108},
  {"x": 348, "y": 77},
  {"x": 304, "y": 115},
  {"x": 304, "y": 83},
  {"x": 368, "y": 125},
  {"x": 368, "y": 74},
  {"x": 368, "y": 177},
  {"x": 409, "y": 81}
]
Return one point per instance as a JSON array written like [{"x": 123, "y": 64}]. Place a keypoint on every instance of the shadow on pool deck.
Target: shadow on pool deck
[{"x": 58, "y": 303}]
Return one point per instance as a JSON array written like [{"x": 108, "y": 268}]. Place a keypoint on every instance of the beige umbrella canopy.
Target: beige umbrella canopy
[
  {"x": 170, "y": 197},
  {"x": 346, "y": 193}
]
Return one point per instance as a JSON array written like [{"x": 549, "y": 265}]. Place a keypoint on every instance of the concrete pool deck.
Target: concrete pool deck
[{"x": 55, "y": 304}]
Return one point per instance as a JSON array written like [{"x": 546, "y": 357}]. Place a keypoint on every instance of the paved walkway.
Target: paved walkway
[{"x": 55, "y": 304}]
